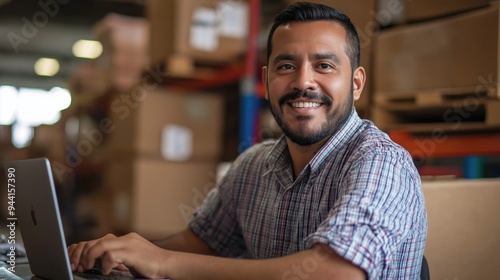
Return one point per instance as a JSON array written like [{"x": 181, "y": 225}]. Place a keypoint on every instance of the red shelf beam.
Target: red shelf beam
[{"x": 442, "y": 145}]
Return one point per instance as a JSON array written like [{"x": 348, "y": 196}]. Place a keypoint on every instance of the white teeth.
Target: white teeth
[{"x": 305, "y": 104}]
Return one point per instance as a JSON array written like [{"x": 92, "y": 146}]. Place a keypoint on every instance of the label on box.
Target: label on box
[
  {"x": 233, "y": 18},
  {"x": 203, "y": 32},
  {"x": 176, "y": 143},
  {"x": 197, "y": 109}
]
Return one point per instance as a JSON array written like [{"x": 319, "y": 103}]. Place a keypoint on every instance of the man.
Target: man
[{"x": 334, "y": 198}]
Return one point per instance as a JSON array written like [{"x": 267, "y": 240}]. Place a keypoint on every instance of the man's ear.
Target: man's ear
[
  {"x": 358, "y": 82},
  {"x": 264, "y": 80}
]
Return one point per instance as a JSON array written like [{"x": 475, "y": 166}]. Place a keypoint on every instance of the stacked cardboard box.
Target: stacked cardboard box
[
  {"x": 163, "y": 148},
  {"x": 442, "y": 71},
  {"x": 144, "y": 123},
  {"x": 125, "y": 43},
  {"x": 448, "y": 52},
  {"x": 403, "y": 11},
  {"x": 154, "y": 197},
  {"x": 185, "y": 33}
]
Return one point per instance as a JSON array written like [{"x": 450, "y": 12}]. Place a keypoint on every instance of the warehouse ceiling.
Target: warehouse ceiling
[{"x": 31, "y": 29}]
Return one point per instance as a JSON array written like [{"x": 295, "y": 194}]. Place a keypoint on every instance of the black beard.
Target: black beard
[{"x": 335, "y": 120}]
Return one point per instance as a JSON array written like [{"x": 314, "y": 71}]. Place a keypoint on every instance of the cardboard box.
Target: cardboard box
[
  {"x": 363, "y": 17},
  {"x": 464, "y": 226},
  {"x": 203, "y": 30},
  {"x": 461, "y": 51},
  {"x": 125, "y": 43},
  {"x": 401, "y": 11},
  {"x": 123, "y": 33},
  {"x": 156, "y": 198},
  {"x": 166, "y": 124}
]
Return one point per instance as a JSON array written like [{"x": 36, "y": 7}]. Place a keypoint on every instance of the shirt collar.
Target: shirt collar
[
  {"x": 341, "y": 138},
  {"x": 278, "y": 156}
]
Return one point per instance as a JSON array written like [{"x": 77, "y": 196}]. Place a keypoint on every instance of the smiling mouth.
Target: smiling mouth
[{"x": 305, "y": 105}]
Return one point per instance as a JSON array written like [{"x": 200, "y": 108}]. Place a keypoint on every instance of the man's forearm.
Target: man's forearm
[
  {"x": 185, "y": 241},
  {"x": 316, "y": 263}
]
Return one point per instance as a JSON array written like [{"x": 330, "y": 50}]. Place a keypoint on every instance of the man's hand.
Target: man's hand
[{"x": 130, "y": 251}]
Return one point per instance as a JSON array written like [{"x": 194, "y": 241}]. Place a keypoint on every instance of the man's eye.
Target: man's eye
[
  {"x": 285, "y": 67},
  {"x": 325, "y": 66}
]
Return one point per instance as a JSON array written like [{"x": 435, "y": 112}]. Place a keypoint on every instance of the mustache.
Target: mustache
[{"x": 311, "y": 95}]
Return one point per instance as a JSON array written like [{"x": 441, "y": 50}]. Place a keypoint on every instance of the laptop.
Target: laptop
[{"x": 39, "y": 221}]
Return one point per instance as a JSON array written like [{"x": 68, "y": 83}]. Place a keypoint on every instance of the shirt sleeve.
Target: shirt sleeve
[
  {"x": 215, "y": 221},
  {"x": 380, "y": 200}
]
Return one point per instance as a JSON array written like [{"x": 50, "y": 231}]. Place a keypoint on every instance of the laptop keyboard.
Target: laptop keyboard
[{"x": 96, "y": 273}]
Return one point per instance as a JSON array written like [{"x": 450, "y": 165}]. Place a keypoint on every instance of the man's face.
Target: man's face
[{"x": 309, "y": 81}]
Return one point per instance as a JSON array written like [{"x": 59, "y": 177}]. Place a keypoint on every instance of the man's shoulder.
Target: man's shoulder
[
  {"x": 373, "y": 145},
  {"x": 371, "y": 140}
]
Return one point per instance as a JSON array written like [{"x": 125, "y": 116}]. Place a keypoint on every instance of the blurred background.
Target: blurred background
[{"x": 141, "y": 105}]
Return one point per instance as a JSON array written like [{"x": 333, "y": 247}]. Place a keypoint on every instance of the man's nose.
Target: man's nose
[{"x": 304, "y": 79}]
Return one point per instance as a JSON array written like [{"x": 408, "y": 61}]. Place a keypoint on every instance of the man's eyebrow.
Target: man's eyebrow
[
  {"x": 281, "y": 57},
  {"x": 316, "y": 56},
  {"x": 327, "y": 56}
]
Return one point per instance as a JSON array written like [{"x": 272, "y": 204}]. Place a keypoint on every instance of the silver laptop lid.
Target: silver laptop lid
[{"x": 37, "y": 213}]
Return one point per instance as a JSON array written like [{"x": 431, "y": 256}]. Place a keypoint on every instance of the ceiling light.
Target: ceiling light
[
  {"x": 60, "y": 98},
  {"x": 87, "y": 49},
  {"x": 46, "y": 66},
  {"x": 8, "y": 105},
  {"x": 21, "y": 135},
  {"x": 32, "y": 106},
  {"x": 36, "y": 106}
]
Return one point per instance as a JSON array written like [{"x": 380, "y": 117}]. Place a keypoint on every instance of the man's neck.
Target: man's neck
[{"x": 302, "y": 155}]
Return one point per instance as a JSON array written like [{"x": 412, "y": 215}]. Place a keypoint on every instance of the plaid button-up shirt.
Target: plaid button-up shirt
[{"x": 360, "y": 194}]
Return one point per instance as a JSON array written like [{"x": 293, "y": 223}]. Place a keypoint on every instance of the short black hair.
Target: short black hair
[{"x": 305, "y": 11}]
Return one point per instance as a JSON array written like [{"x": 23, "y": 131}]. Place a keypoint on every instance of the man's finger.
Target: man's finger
[
  {"x": 112, "y": 259},
  {"x": 100, "y": 248},
  {"x": 75, "y": 253}
]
